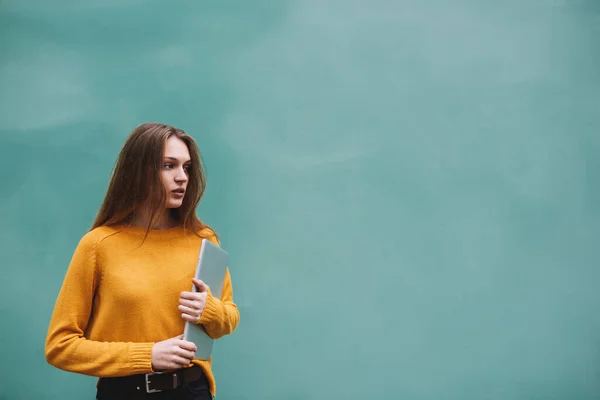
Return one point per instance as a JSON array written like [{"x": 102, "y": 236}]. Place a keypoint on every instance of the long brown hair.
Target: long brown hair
[{"x": 135, "y": 180}]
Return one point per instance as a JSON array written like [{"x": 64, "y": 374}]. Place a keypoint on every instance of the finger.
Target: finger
[
  {"x": 193, "y": 304},
  {"x": 188, "y": 310},
  {"x": 190, "y": 295},
  {"x": 202, "y": 287},
  {"x": 187, "y": 354},
  {"x": 190, "y": 318},
  {"x": 186, "y": 345},
  {"x": 181, "y": 361}
]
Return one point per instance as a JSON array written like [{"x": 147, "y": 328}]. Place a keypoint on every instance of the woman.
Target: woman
[{"x": 126, "y": 296}]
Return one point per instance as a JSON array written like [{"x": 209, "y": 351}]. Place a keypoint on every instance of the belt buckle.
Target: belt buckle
[{"x": 148, "y": 381}]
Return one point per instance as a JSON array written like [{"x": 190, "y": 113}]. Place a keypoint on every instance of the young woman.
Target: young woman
[{"x": 126, "y": 296}]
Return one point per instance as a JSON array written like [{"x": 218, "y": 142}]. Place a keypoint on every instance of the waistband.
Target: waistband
[{"x": 156, "y": 381}]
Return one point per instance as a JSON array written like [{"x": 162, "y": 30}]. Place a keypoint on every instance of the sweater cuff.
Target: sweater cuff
[
  {"x": 210, "y": 311},
  {"x": 141, "y": 358}
]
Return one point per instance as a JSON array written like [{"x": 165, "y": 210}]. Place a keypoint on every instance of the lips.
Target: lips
[{"x": 178, "y": 191}]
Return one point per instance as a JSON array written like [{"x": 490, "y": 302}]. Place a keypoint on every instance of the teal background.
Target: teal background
[{"x": 408, "y": 190}]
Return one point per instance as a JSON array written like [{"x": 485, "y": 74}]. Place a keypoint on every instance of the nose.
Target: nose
[{"x": 181, "y": 176}]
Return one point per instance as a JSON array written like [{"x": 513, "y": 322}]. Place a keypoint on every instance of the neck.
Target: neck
[{"x": 163, "y": 220}]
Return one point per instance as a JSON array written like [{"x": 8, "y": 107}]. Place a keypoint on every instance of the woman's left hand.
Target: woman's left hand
[{"x": 191, "y": 304}]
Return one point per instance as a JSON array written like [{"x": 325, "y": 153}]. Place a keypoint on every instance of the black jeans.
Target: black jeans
[{"x": 197, "y": 390}]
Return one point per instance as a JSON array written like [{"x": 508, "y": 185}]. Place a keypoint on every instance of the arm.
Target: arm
[
  {"x": 66, "y": 345},
  {"x": 220, "y": 317}
]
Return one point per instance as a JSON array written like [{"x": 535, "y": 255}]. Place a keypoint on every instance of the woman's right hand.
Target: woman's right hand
[{"x": 172, "y": 353}]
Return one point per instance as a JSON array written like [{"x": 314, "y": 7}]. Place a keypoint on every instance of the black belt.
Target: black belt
[{"x": 157, "y": 381}]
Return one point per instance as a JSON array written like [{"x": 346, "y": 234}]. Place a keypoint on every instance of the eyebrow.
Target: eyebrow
[{"x": 175, "y": 159}]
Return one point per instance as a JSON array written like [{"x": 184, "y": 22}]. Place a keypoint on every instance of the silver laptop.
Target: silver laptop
[{"x": 211, "y": 269}]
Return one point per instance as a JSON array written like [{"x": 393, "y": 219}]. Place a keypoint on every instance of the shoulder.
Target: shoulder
[
  {"x": 89, "y": 243},
  {"x": 97, "y": 235},
  {"x": 209, "y": 234}
]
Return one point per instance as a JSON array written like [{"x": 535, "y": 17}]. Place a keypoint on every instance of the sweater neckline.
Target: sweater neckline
[{"x": 152, "y": 233}]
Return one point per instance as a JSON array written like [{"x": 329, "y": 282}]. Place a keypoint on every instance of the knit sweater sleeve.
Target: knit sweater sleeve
[
  {"x": 221, "y": 315},
  {"x": 67, "y": 348}
]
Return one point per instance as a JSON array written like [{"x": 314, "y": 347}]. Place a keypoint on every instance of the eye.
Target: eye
[{"x": 168, "y": 165}]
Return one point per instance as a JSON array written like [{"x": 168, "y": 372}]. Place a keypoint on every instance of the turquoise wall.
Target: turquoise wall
[{"x": 408, "y": 190}]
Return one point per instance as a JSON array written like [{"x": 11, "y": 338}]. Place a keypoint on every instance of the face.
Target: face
[{"x": 174, "y": 172}]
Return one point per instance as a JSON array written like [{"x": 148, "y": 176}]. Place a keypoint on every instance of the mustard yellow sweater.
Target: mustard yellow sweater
[{"x": 119, "y": 298}]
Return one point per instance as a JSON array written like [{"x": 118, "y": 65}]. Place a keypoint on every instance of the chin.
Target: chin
[{"x": 174, "y": 204}]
